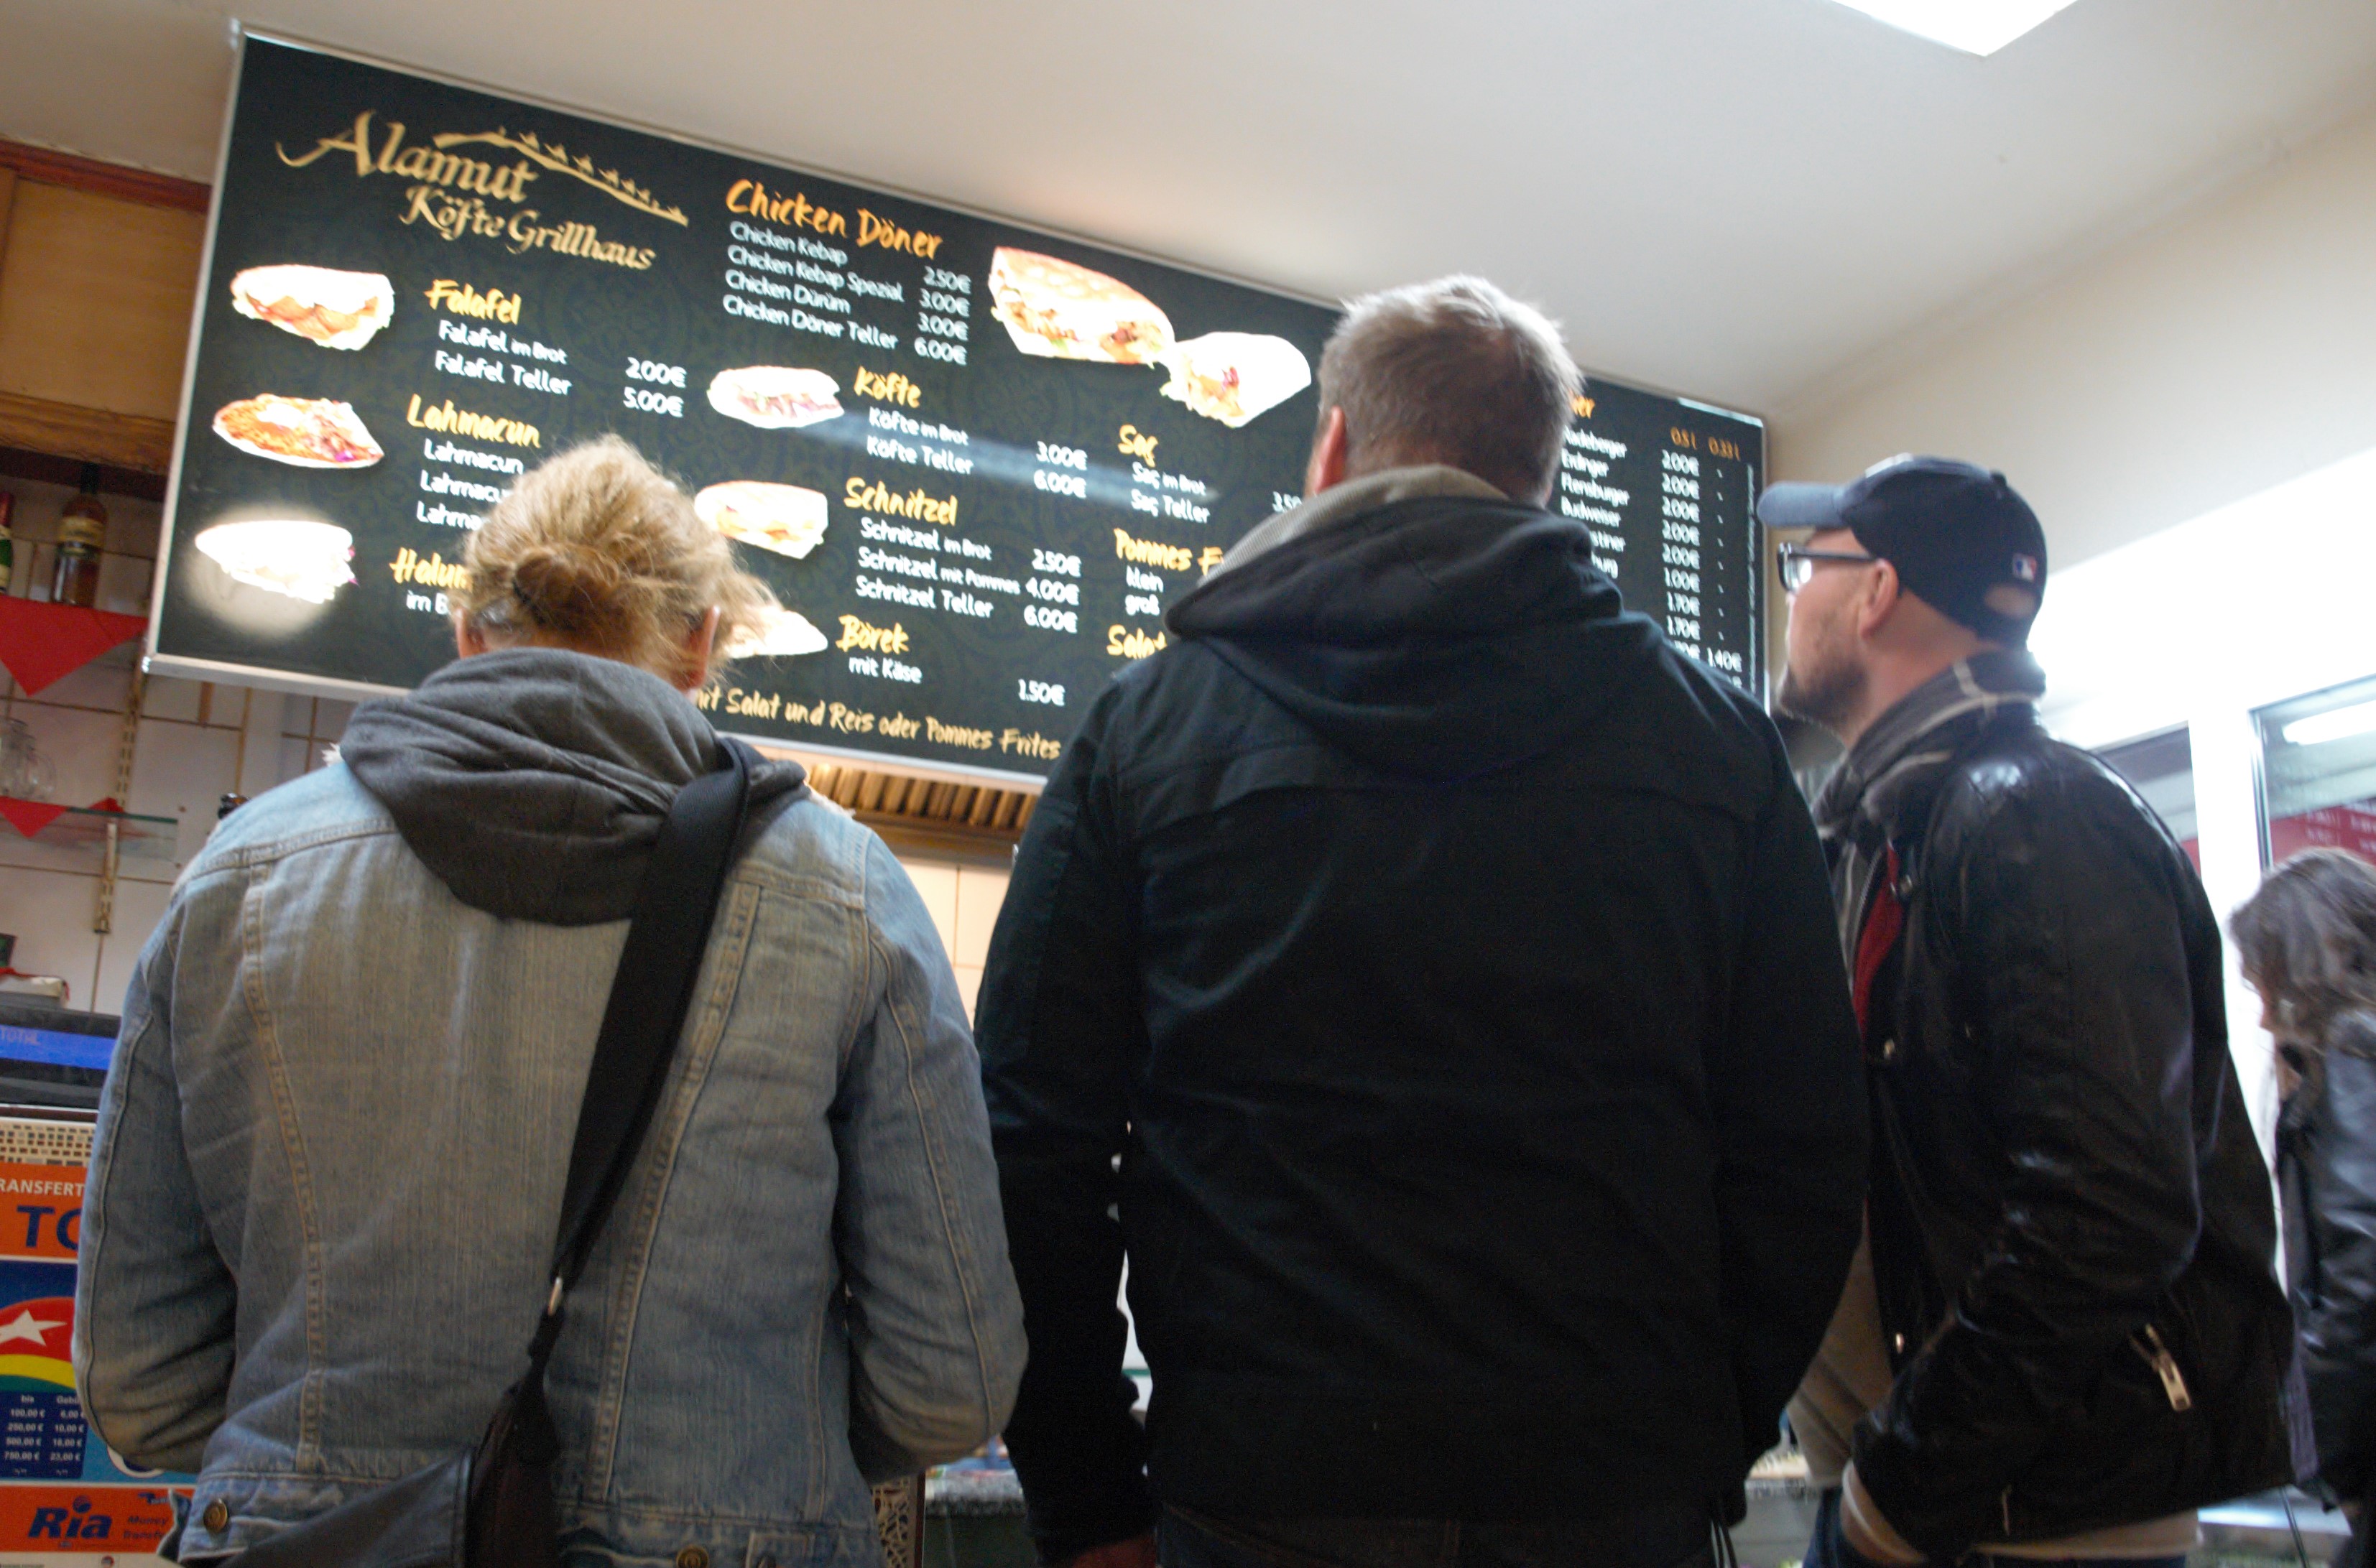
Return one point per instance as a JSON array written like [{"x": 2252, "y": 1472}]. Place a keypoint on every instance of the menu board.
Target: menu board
[
  {"x": 1669, "y": 488},
  {"x": 973, "y": 461}
]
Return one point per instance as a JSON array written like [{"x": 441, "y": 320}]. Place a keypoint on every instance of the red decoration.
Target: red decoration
[
  {"x": 29, "y": 817},
  {"x": 41, "y": 642}
]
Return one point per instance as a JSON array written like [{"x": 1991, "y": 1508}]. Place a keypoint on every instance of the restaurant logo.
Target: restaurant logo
[{"x": 454, "y": 192}]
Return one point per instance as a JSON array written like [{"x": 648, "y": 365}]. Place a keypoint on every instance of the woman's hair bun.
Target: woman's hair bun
[
  {"x": 597, "y": 550},
  {"x": 568, "y": 590}
]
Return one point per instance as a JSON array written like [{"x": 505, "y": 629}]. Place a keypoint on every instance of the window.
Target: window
[{"x": 2318, "y": 772}]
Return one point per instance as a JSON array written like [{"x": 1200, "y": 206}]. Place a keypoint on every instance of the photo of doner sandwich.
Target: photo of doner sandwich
[
  {"x": 304, "y": 560},
  {"x": 781, "y": 517},
  {"x": 1059, "y": 310},
  {"x": 1235, "y": 377},
  {"x": 775, "y": 396},
  {"x": 337, "y": 310}
]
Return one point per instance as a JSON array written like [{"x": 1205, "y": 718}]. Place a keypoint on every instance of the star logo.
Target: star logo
[{"x": 26, "y": 1325}]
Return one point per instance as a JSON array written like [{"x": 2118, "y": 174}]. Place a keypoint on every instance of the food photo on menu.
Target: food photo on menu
[
  {"x": 322, "y": 304},
  {"x": 781, "y": 634},
  {"x": 1058, "y": 309},
  {"x": 308, "y": 560},
  {"x": 786, "y": 518},
  {"x": 1235, "y": 377},
  {"x": 775, "y": 396},
  {"x": 306, "y": 433}
]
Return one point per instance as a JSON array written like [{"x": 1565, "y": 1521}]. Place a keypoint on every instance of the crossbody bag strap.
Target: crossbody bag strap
[{"x": 649, "y": 998}]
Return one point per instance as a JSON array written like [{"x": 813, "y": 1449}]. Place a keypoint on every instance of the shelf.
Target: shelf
[
  {"x": 138, "y": 839},
  {"x": 41, "y": 642}
]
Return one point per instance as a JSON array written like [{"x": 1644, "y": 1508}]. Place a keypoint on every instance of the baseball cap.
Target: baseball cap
[{"x": 1956, "y": 532}]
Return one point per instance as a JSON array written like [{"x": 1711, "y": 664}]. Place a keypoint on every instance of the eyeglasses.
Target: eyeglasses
[{"x": 1795, "y": 564}]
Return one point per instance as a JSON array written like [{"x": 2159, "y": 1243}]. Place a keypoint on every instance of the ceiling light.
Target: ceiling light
[
  {"x": 1976, "y": 27},
  {"x": 2339, "y": 725}
]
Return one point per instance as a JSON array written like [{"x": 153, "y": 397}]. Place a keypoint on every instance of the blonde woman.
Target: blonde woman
[{"x": 328, "y": 1165}]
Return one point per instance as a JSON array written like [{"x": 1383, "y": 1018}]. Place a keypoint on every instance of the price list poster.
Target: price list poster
[
  {"x": 63, "y": 1495},
  {"x": 974, "y": 462}
]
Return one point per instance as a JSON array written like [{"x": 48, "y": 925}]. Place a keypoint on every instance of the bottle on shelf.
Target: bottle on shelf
[
  {"x": 82, "y": 532},
  {"x": 7, "y": 544}
]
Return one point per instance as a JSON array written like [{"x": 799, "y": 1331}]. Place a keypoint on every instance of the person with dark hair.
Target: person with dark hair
[
  {"x": 331, "y": 1157},
  {"x": 2065, "y": 1333},
  {"x": 1421, "y": 972},
  {"x": 2308, "y": 942}
]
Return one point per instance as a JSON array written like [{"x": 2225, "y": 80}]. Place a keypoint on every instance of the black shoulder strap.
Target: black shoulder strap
[{"x": 649, "y": 998}]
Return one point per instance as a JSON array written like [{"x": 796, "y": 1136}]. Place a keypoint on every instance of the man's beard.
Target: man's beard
[{"x": 1825, "y": 688}]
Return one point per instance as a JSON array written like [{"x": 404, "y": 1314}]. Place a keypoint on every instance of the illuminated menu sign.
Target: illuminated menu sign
[
  {"x": 1668, "y": 489},
  {"x": 973, "y": 461}
]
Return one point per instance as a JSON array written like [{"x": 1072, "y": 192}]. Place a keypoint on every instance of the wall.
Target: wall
[
  {"x": 2227, "y": 352},
  {"x": 198, "y": 740}
]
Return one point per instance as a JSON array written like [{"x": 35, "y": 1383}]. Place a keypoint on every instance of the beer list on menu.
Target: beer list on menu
[{"x": 973, "y": 462}]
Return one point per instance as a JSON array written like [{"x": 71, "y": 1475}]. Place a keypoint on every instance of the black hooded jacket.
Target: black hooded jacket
[{"x": 1427, "y": 975}]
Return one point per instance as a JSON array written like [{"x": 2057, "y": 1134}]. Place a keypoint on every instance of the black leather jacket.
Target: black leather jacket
[
  {"x": 2072, "y": 1230},
  {"x": 2326, "y": 1175}
]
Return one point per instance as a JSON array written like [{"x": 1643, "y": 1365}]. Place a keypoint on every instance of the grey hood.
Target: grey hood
[{"x": 533, "y": 781}]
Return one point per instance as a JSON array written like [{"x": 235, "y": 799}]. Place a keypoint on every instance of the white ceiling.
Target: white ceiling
[{"x": 1741, "y": 199}]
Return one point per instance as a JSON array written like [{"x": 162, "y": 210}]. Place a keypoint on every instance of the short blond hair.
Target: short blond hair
[
  {"x": 598, "y": 551},
  {"x": 1452, "y": 372}
]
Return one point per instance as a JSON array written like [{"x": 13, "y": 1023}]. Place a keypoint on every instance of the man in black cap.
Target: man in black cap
[{"x": 2063, "y": 1334}]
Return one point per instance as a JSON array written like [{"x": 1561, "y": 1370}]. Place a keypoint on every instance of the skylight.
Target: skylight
[{"x": 1976, "y": 27}]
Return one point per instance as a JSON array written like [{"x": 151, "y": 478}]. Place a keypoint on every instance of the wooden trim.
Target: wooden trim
[
  {"x": 7, "y": 208},
  {"x": 940, "y": 840},
  {"x": 50, "y": 168},
  {"x": 88, "y": 435}
]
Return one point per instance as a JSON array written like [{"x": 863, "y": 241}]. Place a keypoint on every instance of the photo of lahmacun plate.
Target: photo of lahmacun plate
[
  {"x": 1235, "y": 377},
  {"x": 306, "y": 433},
  {"x": 775, "y": 396},
  {"x": 781, "y": 634},
  {"x": 322, "y": 304},
  {"x": 781, "y": 517},
  {"x": 1058, "y": 309},
  {"x": 304, "y": 560}
]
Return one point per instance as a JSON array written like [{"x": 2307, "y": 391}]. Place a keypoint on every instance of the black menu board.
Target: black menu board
[
  {"x": 1668, "y": 489},
  {"x": 974, "y": 461}
]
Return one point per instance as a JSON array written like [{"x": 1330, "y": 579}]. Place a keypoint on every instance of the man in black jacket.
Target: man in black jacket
[
  {"x": 1423, "y": 974},
  {"x": 2065, "y": 1334}
]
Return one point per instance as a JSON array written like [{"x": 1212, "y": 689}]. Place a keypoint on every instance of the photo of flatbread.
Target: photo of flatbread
[
  {"x": 781, "y": 517},
  {"x": 337, "y": 310},
  {"x": 775, "y": 396},
  {"x": 288, "y": 555},
  {"x": 781, "y": 634},
  {"x": 306, "y": 432},
  {"x": 1058, "y": 309},
  {"x": 1235, "y": 377}
]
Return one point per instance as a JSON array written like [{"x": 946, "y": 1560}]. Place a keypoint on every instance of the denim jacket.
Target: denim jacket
[{"x": 329, "y": 1165}]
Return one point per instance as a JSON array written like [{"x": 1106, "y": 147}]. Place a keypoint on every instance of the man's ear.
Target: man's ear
[
  {"x": 1878, "y": 600},
  {"x": 1327, "y": 468}
]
